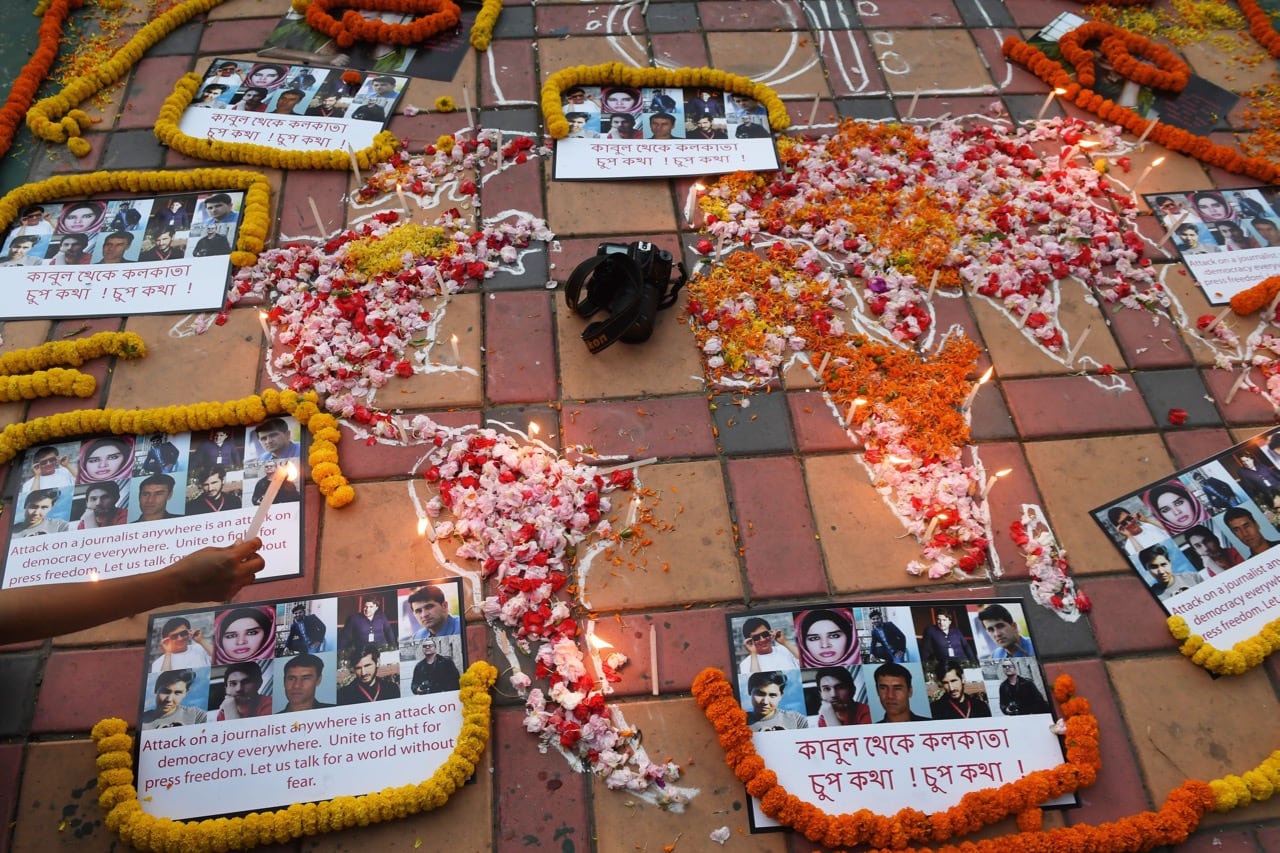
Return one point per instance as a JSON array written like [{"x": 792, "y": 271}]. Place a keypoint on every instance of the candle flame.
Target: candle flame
[
  {"x": 1003, "y": 472},
  {"x": 699, "y": 187},
  {"x": 986, "y": 377},
  {"x": 898, "y": 460},
  {"x": 422, "y": 526},
  {"x": 1059, "y": 91},
  {"x": 454, "y": 340},
  {"x": 597, "y": 642},
  {"x": 1090, "y": 143},
  {"x": 858, "y": 401},
  {"x": 1157, "y": 162},
  {"x": 534, "y": 429},
  {"x": 93, "y": 575},
  {"x": 290, "y": 471}
]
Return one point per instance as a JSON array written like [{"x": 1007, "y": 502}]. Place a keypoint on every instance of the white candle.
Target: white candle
[
  {"x": 466, "y": 100},
  {"x": 1031, "y": 306},
  {"x": 822, "y": 368},
  {"x": 1143, "y": 138},
  {"x": 315, "y": 211},
  {"x": 284, "y": 472},
  {"x": 933, "y": 525},
  {"x": 1003, "y": 472},
  {"x": 853, "y": 404},
  {"x": 915, "y": 99},
  {"x": 691, "y": 202},
  {"x": 933, "y": 285},
  {"x": 262, "y": 321},
  {"x": 813, "y": 113},
  {"x": 453, "y": 342},
  {"x": 1168, "y": 233},
  {"x": 1216, "y": 320},
  {"x": 1066, "y": 158},
  {"x": 719, "y": 245},
  {"x": 1075, "y": 350},
  {"x": 594, "y": 645},
  {"x": 1048, "y": 101},
  {"x": 653, "y": 659},
  {"x": 973, "y": 393},
  {"x": 403, "y": 204},
  {"x": 439, "y": 276},
  {"x": 355, "y": 167},
  {"x": 426, "y": 528},
  {"x": 1231, "y": 395},
  {"x": 1147, "y": 171},
  {"x": 1270, "y": 316}
]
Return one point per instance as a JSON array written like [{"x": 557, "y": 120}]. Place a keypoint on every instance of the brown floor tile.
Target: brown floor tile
[
  {"x": 296, "y": 219},
  {"x": 788, "y": 57},
  {"x": 682, "y": 50},
  {"x": 1017, "y": 354},
  {"x": 113, "y": 677},
  {"x": 688, "y": 641},
  {"x": 10, "y": 775},
  {"x": 677, "y": 728},
  {"x": 1043, "y": 408},
  {"x": 718, "y": 15},
  {"x": 1187, "y": 448},
  {"x": 528, "y": 776},
  {"x": 1065, "y": 472},
  {"x": 1126, "y": 617},
  {"x": 934, "y": 59},
  {"x": 1006, "y": 500},
  {"x": 225, "y": 37},
  {"x": 514, "y": 61},
  {"x": 516, "y": 187},
  {"x": 248, "y": 9},
  {"x": 452, "y": 384},
  {"x": 1188, "y": 726},
  {"x": 591, "y": 207},
  {"x": 152, "y": 83},
  {"x": 1148, "y": 341},
  {"x": 557, "y": 54},
  {"x": 694, "y": 561},
  {"x": 849, "y": 57},
  {"x": 58, "y": 807},
  {"x": 1220, "y": 841},
  {"x": 862, "y": 540},
  {"x": 667, "y": 428},
  {"x": 776, "y": 526},
  {"x": 527, "y": 372}
]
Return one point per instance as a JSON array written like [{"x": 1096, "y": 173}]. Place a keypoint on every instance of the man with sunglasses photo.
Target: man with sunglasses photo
[
  {"x": 766, "y": 647},
  {"x": 183, "y": 648}
]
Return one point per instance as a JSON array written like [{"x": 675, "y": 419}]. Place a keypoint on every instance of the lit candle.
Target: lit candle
[
  {"x": 653, "y": 659},
  {"x": 594, "y": 645},
  {"x": 262, "y": 321},
  {"x": 933, "y": 285},
  {"x": 1048, "y": 101},
  {"x": 853, "y": 405},
  {"x": 315, "y": 212},
  {"x": 691, "y": 202},
  {"x": 1145, "y": 172},
  {"x": 403, "y": 203},
  {"x": 1003, "y": 472},
  {"x": 1168, "y": 233},
  {"x": 1071, "y": 356},
  {"x": 466, "y": 100},
  {"x": 534, "y": 429},
  {"x": 426, "y": 528},
  {"x": 933, "y": 525},
  {"x": 453, "y": 342},
  {"x": 1216, "y": 320},
  {"x": 284, "y": 472},
  {"x": 813, "y": 114},
  {"x": 1239, "y": 382},
  {"x": 355, "y": 167},
  {"x": 1143, "y": 138},
  {"x": 973, "y": 393}
]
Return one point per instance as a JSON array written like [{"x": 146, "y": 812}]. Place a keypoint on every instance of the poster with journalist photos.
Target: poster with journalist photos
[
  {"x": 256, "y": 706},
  {"x": 890, "y": 704},
  {"x": 293, "y": 107},
  {"x": 1228, "y": 239},
  {"x": 95, "y": 258},
  {"x": 110, "y": 506},
  {"x": 1203, "y": 539},
  {"x": 437, "y": 57},
  {"x": 656, "y": 132}
]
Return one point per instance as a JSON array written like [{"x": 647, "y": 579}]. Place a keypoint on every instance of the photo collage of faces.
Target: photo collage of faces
[
  {"x": 299, "y": 91},
  {"x": 623, "y": 112},
  {"x": 885, "y": 663},
  {"x": 165, "y": 228},
  {"x": 1203, "y": 521},
  {"x": 115, "y": 480},
  {"x": 1212, "y": 221},
  {"x": 252, "y": 660}
]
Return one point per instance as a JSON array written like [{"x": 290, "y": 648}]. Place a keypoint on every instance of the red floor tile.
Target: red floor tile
[
  {"x": 775, "y": 525},
  {"x": 524, "y": 373},
  {"x": 113, "y": 677},
  {"x": 672, "y": 427},
  {"x": 1050, "y": 407}
]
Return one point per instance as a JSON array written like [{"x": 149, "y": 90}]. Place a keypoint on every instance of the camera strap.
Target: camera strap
[
  {"x": 600, "y": 295},
  {"x": 673, "y": 287}
]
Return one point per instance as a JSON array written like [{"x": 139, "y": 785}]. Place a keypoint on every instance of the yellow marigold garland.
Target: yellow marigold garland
[
  {"x": 72, "y": 353},
  {"x": 253, "y": 231},
  {"x": 1239, "y": 659},
  {"x": 124, "y": 816},
  {"x": 1177, "y": 818},
  {"x": 167, "y": 131},
  {"x": 486, "y": 20},
  {"x": 58, "y": 382},
  {"x": 56, "y": 119},
  {"x": 626, "y": 75},
  {"x": 253, "y": 409}
]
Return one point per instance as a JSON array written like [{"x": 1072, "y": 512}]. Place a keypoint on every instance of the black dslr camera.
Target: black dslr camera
[{"x": 632, "y": 282}]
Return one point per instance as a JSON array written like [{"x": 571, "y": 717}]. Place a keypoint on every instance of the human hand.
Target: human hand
[{"x": 217, "y": 574}]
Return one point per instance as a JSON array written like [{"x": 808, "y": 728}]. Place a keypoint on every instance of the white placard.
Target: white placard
[
  {"x": 604, "y": 159},
  {"x": 155, "y": 287}
]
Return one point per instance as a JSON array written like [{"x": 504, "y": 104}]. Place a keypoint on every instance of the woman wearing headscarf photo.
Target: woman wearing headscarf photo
[{"x": 1173, "y": 505}]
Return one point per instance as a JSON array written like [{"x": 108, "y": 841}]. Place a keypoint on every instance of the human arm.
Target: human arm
[
  {"x": 210, "y": 574},
  {"x": 197, "y": 636},
  {"x": 752, "y": 663},
  {"x": 780, "y": 639}
]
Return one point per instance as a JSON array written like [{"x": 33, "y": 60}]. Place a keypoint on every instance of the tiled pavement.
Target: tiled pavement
[{"x": 808, "y": 526}]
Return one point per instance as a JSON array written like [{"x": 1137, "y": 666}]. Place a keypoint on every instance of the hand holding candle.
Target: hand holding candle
[{"x": 283, "y": 472}]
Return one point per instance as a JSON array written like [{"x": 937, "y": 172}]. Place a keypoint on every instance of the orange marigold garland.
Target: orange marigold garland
[
  {"x": 434, "y": 16},
  {"x": 1261, "y": 26},
  {"x": 36, "y": 70},
  {"x": 1257, "y": 297}
]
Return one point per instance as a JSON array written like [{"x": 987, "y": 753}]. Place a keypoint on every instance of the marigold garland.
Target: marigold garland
[
  {"x": 1239, "y": 659},
  {"x": 56, "y": 119},
  {"x": 72, "y": 353},
  {"x": 58, "y": 382},
  {"x": 1261, "y": 26},
  {"x": 124, "y": 815},
  {"x": 615, "y": 72},
  {"x": 167, "y": 131},
  {"x": 1257, "y": 297},
  {"x": 486, "y": 20},
  {"x": 254, "y": 228},
  {"x": 1174, "y": 138},
  {"x": 36, "y": 70},
  {"x": 253, "y": 409},
  {"x": 975, "y": 810},
  {"x": 434, "y": 16}
]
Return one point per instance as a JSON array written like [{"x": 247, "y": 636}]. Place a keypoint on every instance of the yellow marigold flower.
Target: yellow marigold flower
[
  {"x": 445, "y": 143},
  {"x": 445, "y": 104}
]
